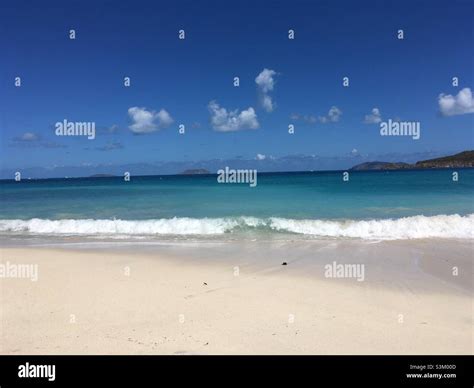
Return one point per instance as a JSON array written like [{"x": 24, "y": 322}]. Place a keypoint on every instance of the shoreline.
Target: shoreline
[{"x": 236, "y": 298}]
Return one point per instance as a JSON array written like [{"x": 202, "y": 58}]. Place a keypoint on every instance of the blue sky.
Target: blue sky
[{"x": 190, "y": 81}]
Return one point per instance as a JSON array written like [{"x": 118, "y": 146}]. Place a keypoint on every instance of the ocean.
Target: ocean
[{"x": 371, "y": 205}]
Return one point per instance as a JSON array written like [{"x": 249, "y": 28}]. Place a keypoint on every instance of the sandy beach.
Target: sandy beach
[{"x": 238, "y": 298}]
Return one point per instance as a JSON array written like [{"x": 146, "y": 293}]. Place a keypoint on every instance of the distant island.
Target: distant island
[
  {"x": 463, "y": 159},
  {"x": 381, "y": 166},
  {"x": 102, "y": 176},
  {"x": 196, "y": 171}
]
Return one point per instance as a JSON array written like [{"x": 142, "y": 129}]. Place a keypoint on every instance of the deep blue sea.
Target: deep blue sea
[{"x": 373, "y": 204}]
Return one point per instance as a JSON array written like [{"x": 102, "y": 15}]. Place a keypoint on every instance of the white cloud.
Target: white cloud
[
  {"x": 265, "y": 80},
  {"x": 265, "y": 84},
  {"x": 31, "y": 140},
  {"x": 228, "y": 121},
  {"x": 460, "y": 104},
  {"x": 260, "y": 157},
  {"x": 146, "y": 121},
  {"x": 310, "y": 119},
  {"x": 333, "y": 115},
  {"x": 267, "y": 102},
  {"x": 29, "y": 136},
  {"x": 114, "y": 128},
  {"x": 111, "y": 146},
  {"x": 164, "y": 118},
  {"x": 373, "y": 118}
]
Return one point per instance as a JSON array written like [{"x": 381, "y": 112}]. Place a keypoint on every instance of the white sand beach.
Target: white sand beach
[{"x": 238, "y": 298}]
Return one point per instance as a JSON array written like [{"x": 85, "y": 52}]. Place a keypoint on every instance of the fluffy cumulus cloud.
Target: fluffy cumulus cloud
[
  {"x": 146, "y": 121},
  {"x": 460, "y": 104},
  {"x": 374, "y": 117},
  {"x": 223, "y": 120},
  {"x": 260, "y": 157},
  {"x": 265, "y": 83},
  {"x": 333, "y": 116}
]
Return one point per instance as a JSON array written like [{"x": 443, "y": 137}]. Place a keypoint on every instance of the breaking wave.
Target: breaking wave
[{"x": 441, "y": 226}]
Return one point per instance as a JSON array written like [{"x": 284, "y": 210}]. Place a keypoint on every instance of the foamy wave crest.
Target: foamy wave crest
[
  {"x": 442, "y": 226},
  {"x": 452, "y": 226},
  {"x": 172, "y": 226}
]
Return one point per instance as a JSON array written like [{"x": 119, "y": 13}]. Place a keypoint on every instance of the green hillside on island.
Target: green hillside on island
[
  {"x": 381, "y": 166},
  {"x": 462, "y": 159}
]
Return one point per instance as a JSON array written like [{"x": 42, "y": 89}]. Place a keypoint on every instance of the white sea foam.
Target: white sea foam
[
  {"x": 178, "y": 226},
  {"x": 442, "y": 226}
]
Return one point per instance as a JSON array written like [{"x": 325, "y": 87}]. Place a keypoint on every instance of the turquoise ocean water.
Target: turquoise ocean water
[{"x": 379, "y": 204}]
